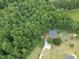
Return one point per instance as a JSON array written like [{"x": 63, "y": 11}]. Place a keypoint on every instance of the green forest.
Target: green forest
[{"x": 23, "y": 22}]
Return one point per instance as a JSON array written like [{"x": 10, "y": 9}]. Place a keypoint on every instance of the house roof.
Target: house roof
[
  {"x": 53, "y": 33},
  {"x": 69, "y": 57}
]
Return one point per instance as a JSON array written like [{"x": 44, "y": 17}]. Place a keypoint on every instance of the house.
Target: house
[
  {"x": 52, "y": 34},
  {"x": 70, "y": 56},
  {"x": 47, "y": 35}
]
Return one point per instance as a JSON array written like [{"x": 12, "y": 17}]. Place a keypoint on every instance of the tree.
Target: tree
[
  {"x": 57, "y": 41},
  {"x": 66, "y": 4}
]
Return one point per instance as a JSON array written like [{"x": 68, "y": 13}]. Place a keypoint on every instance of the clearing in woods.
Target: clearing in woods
[
  {"x": 74, "y": 14},
  {"x": 35, "y": 53},
  {"x": 58, "y": 52}
]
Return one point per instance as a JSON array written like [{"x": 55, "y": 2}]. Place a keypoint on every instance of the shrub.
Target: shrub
[
  {"x": 57, "y": 41},
  {"x": 71, "y": 45}
]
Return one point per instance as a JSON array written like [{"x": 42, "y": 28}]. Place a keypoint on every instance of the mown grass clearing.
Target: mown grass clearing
[
  {"x": 74, "y": 14},
  {"x": 59, "y": 52},
  {"x": 35, "y": 53}
]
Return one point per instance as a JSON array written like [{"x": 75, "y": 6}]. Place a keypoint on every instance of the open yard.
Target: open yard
[
  {"x": 35, "y": 53},
  {"x": 59, "y": 52},
  {"x": 74, "y": 14}
]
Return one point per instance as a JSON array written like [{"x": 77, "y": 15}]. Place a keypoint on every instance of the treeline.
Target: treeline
[
  {"x": 66, "y": 4},
  {"x": 4, "y": 3},
  {"x": 23, "y": 22}
]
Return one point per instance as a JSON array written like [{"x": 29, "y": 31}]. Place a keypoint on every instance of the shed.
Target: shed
[
  {"x": 69, "y": 57},
  {"x": 52, "y": 33}
]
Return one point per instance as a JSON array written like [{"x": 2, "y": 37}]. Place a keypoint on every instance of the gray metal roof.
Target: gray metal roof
[
  {"x": 69, "y": 57},
  {"x": 53, "y": 33}
]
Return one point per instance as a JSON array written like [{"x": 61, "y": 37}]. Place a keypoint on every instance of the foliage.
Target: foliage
[
  {"x": 50, "y": 41},
  {"x": 71, "y": 45},
  {"x": 22, "y": 22},
  {"x": 67, "y": 4},
  {"x": 57, "y": 41}
]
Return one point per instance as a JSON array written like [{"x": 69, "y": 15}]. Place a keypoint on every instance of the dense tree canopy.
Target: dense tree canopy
[
  {"x": 22, "y": 22},
  {"x": 66, "y": 4}
]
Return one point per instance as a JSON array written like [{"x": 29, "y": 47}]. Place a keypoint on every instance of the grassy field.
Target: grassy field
[
  {"x": 60, "y": 51},
  {"x": 35, "y": 53},
  {"x": 74, "y": 14},
  {"x": 57, "y": 52}
]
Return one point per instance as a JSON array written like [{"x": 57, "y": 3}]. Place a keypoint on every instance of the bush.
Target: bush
[
  {"x": 57, "y": 41},
  {"x": 50, "y": 41},
  {"x": 71, "y": 45}
]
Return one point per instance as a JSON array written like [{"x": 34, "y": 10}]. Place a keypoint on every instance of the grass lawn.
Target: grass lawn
[
  {"x": 35, "y": 53},
  {"x": 74, "y": 14},
  {"x": 60, "y": 51}
]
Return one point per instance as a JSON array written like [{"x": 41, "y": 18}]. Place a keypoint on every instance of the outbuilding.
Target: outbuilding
[{"x": 70, "y": 56}]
